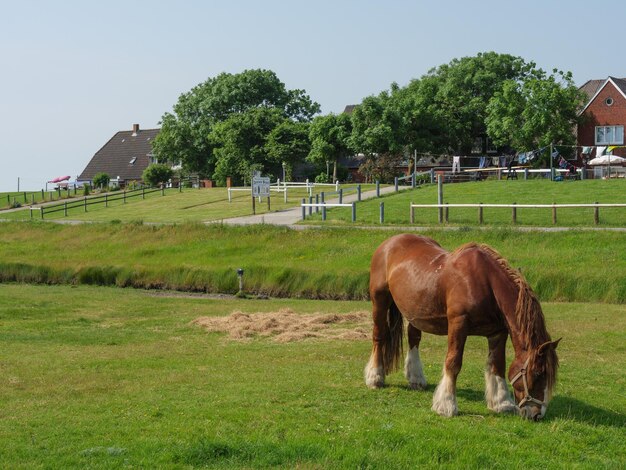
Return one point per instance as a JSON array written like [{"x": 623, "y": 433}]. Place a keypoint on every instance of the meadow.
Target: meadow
[
  {"x": 188, "y": 205},
  {"x": 532, "y": 191},
  {"x": 98, "y": 377}
]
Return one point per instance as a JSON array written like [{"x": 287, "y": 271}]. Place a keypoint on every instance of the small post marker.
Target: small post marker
[{"x": 240, "y": 276}]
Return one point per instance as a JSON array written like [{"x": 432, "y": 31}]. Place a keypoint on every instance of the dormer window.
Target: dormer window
[{"x": 132, "y": 161}]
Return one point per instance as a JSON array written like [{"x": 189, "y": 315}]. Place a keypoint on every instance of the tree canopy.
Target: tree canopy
[{"x": 221, "y": 127}]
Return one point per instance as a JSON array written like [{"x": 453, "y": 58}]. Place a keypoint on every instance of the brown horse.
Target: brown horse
[{"x": 471, "y": 291}]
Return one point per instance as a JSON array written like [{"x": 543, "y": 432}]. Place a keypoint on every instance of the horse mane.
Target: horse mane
[{"x": 529, "y": 317}]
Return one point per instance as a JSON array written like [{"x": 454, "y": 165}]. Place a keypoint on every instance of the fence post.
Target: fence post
[
  {"x": 124, "y": 196},
  {"x": 285, "y": 194},
  {"x": 143, "y": 192},
  {"x": 395, "y": 182},
  {"x": 317, "y": 201},
  {"x": 25, "y": 200},
  {"x": 85, "y": 203},
  {"x": 412, "y": 213},
  {"x": 514, "y": 213},
  {"x": 269, "y": 207},
  {"x": 382, "y": 212},
  {"x": 354, "y": 212},
  {"x": 65, "y": 208},
  {"x": 445, "y": 214},
  {"x": 106, "y": 200},
  {"x": 440, "y": 197},
  {"x": 377, "y": 188},
  {"x": 32, "y": 198},
  {"x": 229, "y": 196},
  {"x": 337, "y": 185},
  {"x": 162, "y": 191},
  {"x": 432, "y": 175},
  {"x": 310, "y": 207},
  {"x": 413, "y": 180},
  {"x": 303, "y": 209},
  {"x": 553, "y": 213},
  {"x": 340, "y": 195},
  {"x": 324, "y": 212},
  {"x": 480, "y": 213},
  {"x": 31, "y": 213},
  {"x": 322, "y": 197},
  {"x": 41, "y": 212},
  {"x": 9, "y": 199},
  {"x": 358, "y": 192},
  {"x": 43, "y": 197},
  {"x": 596, "y": 214}
]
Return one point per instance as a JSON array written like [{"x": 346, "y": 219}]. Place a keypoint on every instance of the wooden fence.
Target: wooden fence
[
  {"x": 87, "y": 201},
  {"x": 444, "y": 213}
]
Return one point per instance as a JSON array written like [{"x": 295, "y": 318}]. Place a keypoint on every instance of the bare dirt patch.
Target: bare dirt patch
[{"x": 286, "y": 325}]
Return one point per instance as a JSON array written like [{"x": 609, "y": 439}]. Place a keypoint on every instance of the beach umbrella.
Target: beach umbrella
[{"x": 58, "y": 179}]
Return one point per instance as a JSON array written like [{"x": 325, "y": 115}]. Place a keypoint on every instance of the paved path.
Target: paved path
[{"x": 294, "y": 215}]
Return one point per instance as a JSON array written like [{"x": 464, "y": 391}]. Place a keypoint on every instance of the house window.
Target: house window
[
  {"x": 609, "y": 101},
  {"x": 609, "y": 135}
]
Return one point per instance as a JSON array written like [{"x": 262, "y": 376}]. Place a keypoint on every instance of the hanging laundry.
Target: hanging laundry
[
  {"x": 495, "y": 161},
  {"x": 611, "y": 148},
  {"x": 521, "y": 158},
  {"x": 563, "y": 163},
  {"x": 600, "y": 151},
  {"x": 555, "y": 154},
  {"x": 482, "y": 163},
  {"x": 587, "y": 150},
  {"x": 502, "y": 162},
  {"x": 456, "y": 164}
]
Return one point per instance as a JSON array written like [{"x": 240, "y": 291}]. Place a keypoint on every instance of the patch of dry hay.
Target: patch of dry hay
[{"x": 286, "y": 326}]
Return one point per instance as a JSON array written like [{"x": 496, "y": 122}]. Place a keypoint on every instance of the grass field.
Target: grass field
[
  {"x": 28, "y": 197},
  {"x": 190, "y": 205},
  {"x": 533, "y": 191},
  {"x": 97, "y": 377},
  {"x": 573, "y": 265}
]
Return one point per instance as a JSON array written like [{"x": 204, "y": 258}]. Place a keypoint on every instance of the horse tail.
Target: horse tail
[{"x": 392, "y": 350}]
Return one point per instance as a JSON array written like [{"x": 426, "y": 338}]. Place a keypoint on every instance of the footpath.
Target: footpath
[{"x": 292, "y": 216}]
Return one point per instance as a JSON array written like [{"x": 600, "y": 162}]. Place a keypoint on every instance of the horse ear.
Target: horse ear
[{"x": 548, "y": 344}]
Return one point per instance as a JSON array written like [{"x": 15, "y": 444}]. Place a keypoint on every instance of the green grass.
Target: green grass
[
  {"x": 109, "y": 378},
  {"x": 190, "y": 205},
  {"x": 334, "y": 263},
  {"x": 534, "y": 191},
  {"x": 28, "y": 197}
]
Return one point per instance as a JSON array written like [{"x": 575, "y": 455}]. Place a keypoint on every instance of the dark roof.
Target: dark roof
[
  {"x": 125, "y": 155},
  {"x": 349, "y": 108},
  {"x": 591, "y": 87}
]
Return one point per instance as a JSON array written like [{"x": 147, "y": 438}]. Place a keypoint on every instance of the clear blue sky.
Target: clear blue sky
[{"x": 75, "y": 72}]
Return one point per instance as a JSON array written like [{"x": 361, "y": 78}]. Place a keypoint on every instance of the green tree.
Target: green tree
[
  {"x": 157, "y": 174},
  {"x": 535, "y": 112},
  {"x": 456, "y": 94},
  {"x": 287, "y": 144},
  {"x": 210, "y": 118},
  {"x": 100, "y": 180},
  {"x": 329, "y": 136}
]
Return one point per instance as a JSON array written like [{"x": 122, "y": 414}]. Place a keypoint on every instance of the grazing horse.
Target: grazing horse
[{"x": 471, "y": 291}]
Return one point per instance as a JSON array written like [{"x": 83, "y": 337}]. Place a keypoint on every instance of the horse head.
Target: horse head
[{"x": 533, "y": 380}]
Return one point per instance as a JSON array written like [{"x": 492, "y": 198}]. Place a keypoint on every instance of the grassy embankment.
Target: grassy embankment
[
  {"x": 534, "y": 191},
  {"x": 102, "y": 378},
  {"x": 572, "y": 266}
]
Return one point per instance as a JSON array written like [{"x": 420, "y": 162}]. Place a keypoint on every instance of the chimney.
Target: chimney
[{"x": 135, "y": 130}]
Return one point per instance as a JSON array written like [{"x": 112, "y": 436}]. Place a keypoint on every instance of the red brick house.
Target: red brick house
[{"x": 603, "y": 119}]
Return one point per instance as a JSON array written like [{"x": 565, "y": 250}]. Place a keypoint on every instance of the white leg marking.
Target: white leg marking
[
  {"x": 497, "y": 394},
  {"x": 413, "y": 370},
  {"x": 374, "y": 376},
  {"x": 444, "y": 399}
]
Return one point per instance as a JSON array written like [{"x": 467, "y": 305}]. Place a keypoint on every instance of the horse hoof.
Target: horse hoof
[{"x": 417, "y": 385}]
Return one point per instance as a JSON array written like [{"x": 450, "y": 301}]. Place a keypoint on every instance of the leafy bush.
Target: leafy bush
[
  {"x": 321, "y": 178},
  {"x": 157, "y": 174},
  {"x": 86, "y": 190},
  {"x": 101, "y": 180}
]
